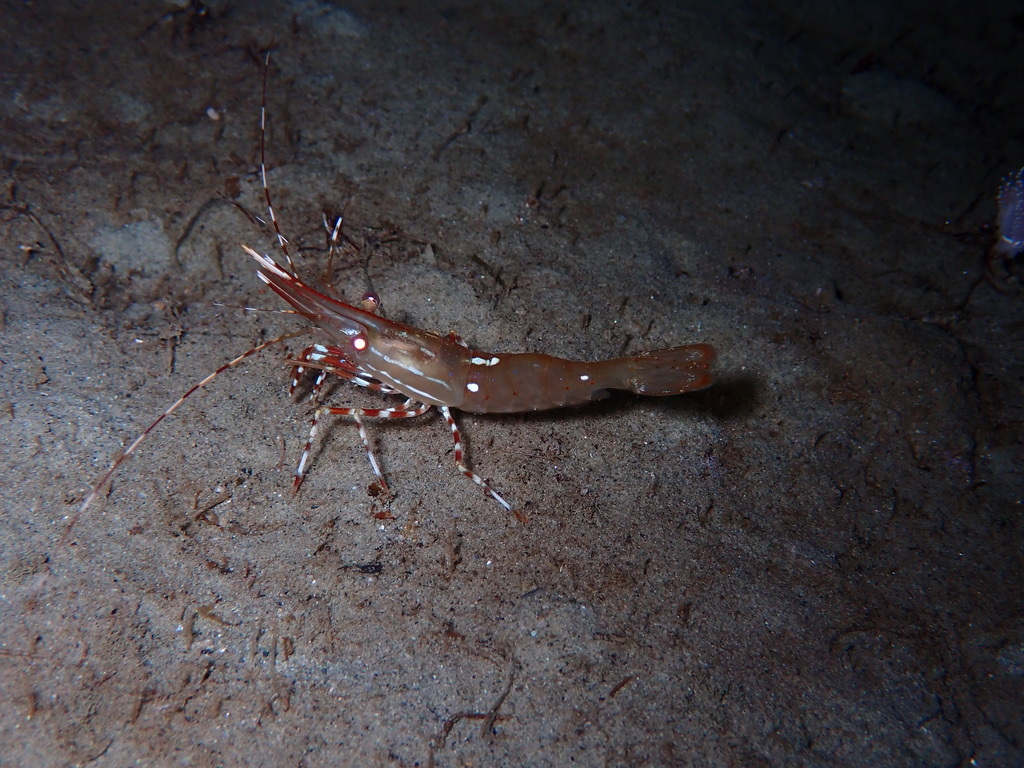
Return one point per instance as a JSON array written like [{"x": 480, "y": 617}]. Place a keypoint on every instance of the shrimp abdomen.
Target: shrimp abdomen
[{"x": 515, "y": 383}]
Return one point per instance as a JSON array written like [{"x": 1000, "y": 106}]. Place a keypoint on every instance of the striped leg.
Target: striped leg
[
  {"x": 406, "y": 410},
  {"x": 446, "y": 412},
  {"x": 331, "y": 360},
  {"x": 299, "y": 370}
]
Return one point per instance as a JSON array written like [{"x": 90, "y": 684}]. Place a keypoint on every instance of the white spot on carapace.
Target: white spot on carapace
[
  {"x": 359, "y": 343},
  {"x": 584, "y": 377},
  {"x": 485, "y": 360},
  {"x": 473, "y": 386}
]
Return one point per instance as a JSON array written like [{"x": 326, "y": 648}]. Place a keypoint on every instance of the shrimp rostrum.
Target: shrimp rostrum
[{"x": 435, "y": 371}]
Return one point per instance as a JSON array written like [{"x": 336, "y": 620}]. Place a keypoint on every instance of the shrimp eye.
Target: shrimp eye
[
  {"x": 370, "y": 302},
  {"x": 359, "y": 343}
]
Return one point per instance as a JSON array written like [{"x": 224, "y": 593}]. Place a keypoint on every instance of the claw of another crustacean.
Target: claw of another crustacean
[{"x": 1010, "y": 219}]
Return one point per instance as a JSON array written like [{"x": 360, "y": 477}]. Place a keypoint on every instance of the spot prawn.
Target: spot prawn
[{"x": 430, "y": 370}]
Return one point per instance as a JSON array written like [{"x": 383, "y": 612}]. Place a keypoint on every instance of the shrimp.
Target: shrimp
[
  {"x": 428, "y": 369},
  {"x": 435, "y": 371}
]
